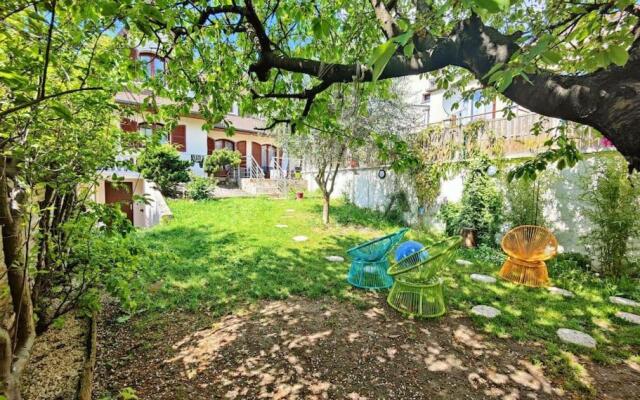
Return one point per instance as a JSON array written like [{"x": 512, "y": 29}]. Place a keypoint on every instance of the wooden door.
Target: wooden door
[
  {"x": 242, "y": 148},
  {"x": 122, "y": 194},
  {"x": 256, "y": 152}
]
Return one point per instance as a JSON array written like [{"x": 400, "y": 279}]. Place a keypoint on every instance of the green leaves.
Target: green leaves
[
  {"x": 62, "y": 111},
  {"x": 492, "y": 6},
  {"x": 618, "y": 55},
  {"x": 380, "y": 57},
  {"x": 383, "y": 53}
]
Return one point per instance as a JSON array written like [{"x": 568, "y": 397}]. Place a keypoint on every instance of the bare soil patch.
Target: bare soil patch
[{"x": 324, "y": 349}]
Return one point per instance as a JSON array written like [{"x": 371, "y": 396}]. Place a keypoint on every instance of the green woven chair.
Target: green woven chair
[
  {"x": 369, "y": 262},
  {"x": 416, "y": 291}
]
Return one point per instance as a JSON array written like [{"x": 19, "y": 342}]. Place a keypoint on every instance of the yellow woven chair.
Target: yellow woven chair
[{"x": 527, "y": 248}]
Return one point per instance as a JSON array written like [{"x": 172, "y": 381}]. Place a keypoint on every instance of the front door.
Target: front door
[
  {"x": 123, "y": 194},
  {"x": 256, "y": 152}
]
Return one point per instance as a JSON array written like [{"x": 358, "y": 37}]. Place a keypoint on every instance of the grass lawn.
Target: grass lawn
[{"x": 222, "y": 255}]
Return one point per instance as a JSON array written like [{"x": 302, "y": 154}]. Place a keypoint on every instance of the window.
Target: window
[
  {"x": 224, "y": 144},
  {"x": 152, "y": 65},
  {"x": 426, "y": 98},
  {"x": 147, "y": 130}
]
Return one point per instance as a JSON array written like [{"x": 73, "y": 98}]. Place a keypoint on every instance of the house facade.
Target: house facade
[{"x": 261, "y": 159}]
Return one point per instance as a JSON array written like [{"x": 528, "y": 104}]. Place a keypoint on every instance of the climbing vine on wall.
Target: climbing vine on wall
[{"x": 442, "y": 150}]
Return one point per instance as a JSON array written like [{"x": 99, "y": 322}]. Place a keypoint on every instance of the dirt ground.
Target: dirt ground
[
  {"x": 323, "y": 349},
  {"x": 53, "y": 371}
]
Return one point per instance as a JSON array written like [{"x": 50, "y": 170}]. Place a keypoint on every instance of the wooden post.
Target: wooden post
[{"x": 469, "y": 237}]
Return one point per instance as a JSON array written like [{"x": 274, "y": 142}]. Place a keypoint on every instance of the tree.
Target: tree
[
  {"x": 163, "y": 166},
  {"x": 59, "y": 70},
  {"x": 360, "y": 123},
  {"x": 575, "y": 61},
  {"x": 220, "y": 159}
]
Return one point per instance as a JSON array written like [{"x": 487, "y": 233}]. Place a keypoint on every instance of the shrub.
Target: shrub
[
  {"x": 449, "y": 213},
  {"x": 200, "y": 188},
  {"x": 219, "y": 159},
  {"x": 481, "y": 205},
  {"x": 163, "y": 166},
  {"x": 612, "y": 205},
  {"x": 525, "y": 199},
  {"x": 397, "y": 206}
]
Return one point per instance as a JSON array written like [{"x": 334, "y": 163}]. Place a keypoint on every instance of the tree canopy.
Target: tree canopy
[{"x": 579, "y": 61}]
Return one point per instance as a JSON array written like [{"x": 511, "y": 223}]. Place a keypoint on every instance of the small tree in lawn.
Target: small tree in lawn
[
  {"x": 351, "y": 132},
  {"x": 163, "y": 166},
  {"x": 219, "y": 159}
]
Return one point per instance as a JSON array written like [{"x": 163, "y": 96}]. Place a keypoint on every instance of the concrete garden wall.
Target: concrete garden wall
[{"x": 364, "y": 189}]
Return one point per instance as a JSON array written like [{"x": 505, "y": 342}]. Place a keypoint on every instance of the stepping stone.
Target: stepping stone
[
  {"x": 281, "y": 226},
  {"x": 483, "y": 278},
  {"x": 300, "y": 238},
  {"x": 560, "y": 291},
  {"x": 623, "y": 301},
  {"x": 334, "y": 258},
  {"x": 290, "y": 210},
  {"x": 485, "y": 311},
  {"x": 464, "y": 263},
  {"x": 633, "y": 318},
  {"x": 576, "y": 337}
]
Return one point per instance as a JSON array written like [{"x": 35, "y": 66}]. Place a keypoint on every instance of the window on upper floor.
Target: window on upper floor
[
  {"x": 426, "y": 98},
  {"x": 153, "y": 65},
  {"x": 149, "y": 129}
]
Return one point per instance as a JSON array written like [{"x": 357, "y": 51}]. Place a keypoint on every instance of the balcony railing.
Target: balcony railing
[{"x": 520, "y": 136}]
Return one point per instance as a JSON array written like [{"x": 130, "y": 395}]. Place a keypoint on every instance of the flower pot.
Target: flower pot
[{"x": 299, "y": 195}]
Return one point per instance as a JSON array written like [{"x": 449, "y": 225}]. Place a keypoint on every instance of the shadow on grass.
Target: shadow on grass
[{"x": 203, "y": 268}]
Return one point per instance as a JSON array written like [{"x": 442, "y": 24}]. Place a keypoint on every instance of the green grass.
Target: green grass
[{"x": 222, "y": 255}]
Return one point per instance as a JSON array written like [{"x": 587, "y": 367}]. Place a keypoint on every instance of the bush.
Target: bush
[
  {"x": 525, "y": 199},
  {"x": 449, "y": 213},
  {"x": 480, "y": 208},
  {"x": 219, "y": 159},
  {"x": 200, "y": 188},
  {"x": 612, "y": 205},
  {"x": 162, "y": 165}
]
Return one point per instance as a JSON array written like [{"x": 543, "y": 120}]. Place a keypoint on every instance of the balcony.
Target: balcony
[{"x": 524, "y": 135}]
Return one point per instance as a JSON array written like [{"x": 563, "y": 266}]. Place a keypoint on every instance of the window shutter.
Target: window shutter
[
  {"x": 128, "y": 125},
  {"x": 211, "y": 145},
  {"x": 179, "y": 137}
]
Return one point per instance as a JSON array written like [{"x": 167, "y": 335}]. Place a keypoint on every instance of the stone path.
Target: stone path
[
  {"x": 576, "y": 337},
  {"x": 483, "y": 278},
  {"x": 282, "y": 226},
  {"x": 334, "y": 258},
  {"x": 560, "y": 291},
  {"x": 290, "y": 210},
  {"x": 629, "y": 317},
  {"x": 464, "y": 263},
  {"x": 624, "y": 302},
  {"x": 485, "y": 311},
  {"x": 300, "y": 238}
]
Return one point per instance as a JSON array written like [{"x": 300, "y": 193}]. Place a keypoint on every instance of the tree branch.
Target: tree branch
[
  {"x": 389, "y": 26},
  {"x": 33, "y": 102}
]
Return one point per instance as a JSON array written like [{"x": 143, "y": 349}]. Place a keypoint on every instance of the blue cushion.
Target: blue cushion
[{"x": 407, "y": 248}]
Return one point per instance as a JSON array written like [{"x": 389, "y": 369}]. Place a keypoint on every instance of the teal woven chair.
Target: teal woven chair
[
  {"x": 369, "y": 266},
  {"x": 417, "y": 292}
]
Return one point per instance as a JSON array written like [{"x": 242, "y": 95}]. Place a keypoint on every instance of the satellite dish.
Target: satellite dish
[{"x": 447, "y": 103}]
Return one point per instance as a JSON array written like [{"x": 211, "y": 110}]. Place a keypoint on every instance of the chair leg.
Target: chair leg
[{"x": 526, "y": 273}]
